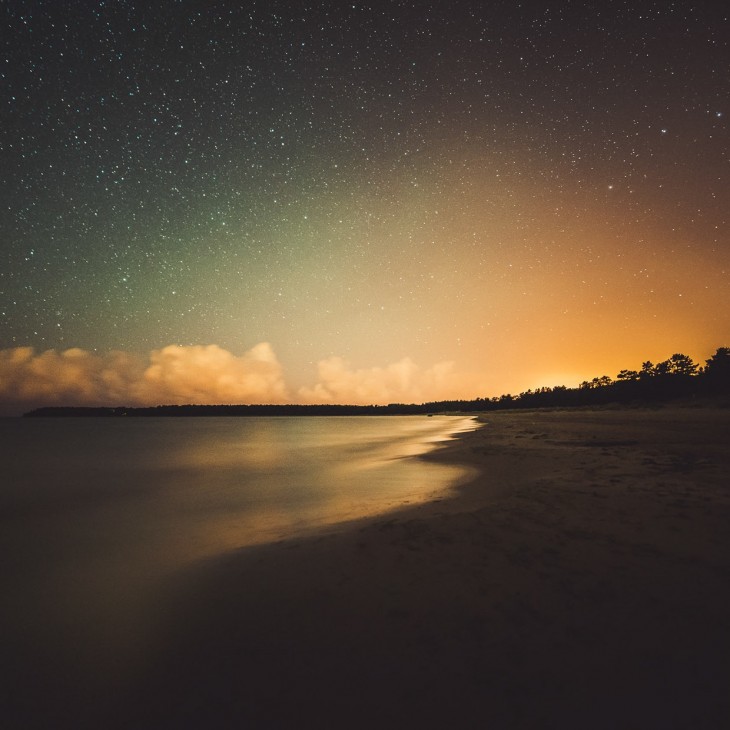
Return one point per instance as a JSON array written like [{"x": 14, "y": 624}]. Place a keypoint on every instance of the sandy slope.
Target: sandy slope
[{"x": 581, "y": 580}]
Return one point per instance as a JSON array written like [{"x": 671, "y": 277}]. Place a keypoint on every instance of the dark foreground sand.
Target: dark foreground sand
[{"x": 582, "y": 580}]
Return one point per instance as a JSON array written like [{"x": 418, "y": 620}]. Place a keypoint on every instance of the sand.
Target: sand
[{"x": 581, "y": 579}]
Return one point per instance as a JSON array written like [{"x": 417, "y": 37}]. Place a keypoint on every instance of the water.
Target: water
[{"x": 95, "y": 514}]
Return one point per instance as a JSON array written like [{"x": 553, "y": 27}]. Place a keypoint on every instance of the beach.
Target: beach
[{"x": 579, "y": 577}]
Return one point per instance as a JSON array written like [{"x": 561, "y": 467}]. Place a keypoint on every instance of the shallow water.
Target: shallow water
[{"x": 96, "y": 513}]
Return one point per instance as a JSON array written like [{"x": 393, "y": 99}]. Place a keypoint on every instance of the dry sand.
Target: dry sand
[{"x": 581, "y": 580}]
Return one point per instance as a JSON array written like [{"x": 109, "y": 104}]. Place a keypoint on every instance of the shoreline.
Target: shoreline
[{"x": 580, "y": 579}]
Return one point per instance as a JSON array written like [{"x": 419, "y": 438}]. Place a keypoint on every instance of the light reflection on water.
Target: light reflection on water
[
  {"x": 94, "y": 513},
  {"x": 242, "y": 481}
]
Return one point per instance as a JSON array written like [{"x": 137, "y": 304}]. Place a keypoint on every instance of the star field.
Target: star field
[{"x": 530, "y": 193}]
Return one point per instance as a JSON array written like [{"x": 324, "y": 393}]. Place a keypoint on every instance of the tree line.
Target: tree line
[{"x": 677, "y": 377}]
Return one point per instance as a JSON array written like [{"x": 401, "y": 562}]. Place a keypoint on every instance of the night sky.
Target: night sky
[{"x": 357, "y": 202}]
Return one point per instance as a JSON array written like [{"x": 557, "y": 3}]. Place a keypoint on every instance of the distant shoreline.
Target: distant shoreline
[
  {"x": 231, "y": 410},
  {"x": 444, "y": 408}
]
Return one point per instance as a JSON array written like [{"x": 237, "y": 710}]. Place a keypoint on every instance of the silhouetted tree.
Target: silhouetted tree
[
  {"x": 601, "y": 382},
  {"x": 647, "y": 369},
  {"x": 662, "y": 368},
  {"x": 717, "y": 370},
  {"x": 682, "y": 365}
]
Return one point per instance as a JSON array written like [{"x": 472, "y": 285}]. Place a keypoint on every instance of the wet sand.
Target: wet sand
[{"x": 580, "y": 580}]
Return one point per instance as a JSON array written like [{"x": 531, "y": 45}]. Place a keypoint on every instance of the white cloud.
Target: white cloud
[
  {"x": 70, "y": 376},
  {"x": 176, "y": 375},
  {"x": 399, "y": 382},
  {"x": 210, "y": 374}
]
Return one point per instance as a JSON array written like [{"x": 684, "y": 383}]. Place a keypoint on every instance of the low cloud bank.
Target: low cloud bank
[
  {"x": 400, "y": 382},
  {"x": 173, "y": 375},
  {"x": 204, "y": 374},
  {"x": 210, "y": 374}
]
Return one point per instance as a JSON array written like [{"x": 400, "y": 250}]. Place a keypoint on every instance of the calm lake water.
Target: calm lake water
[{"x": 96, "y": 513}]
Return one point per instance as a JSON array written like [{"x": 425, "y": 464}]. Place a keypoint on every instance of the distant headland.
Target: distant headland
[{"x": 675, "y": 378}]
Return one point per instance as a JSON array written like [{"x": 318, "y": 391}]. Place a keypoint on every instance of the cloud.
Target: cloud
[
  {"x": 210, "y": 374},
  {"x": 70, "y": 376},
  {"x": 176, "y": 375},
  {"x": 399, "y": 382}
]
